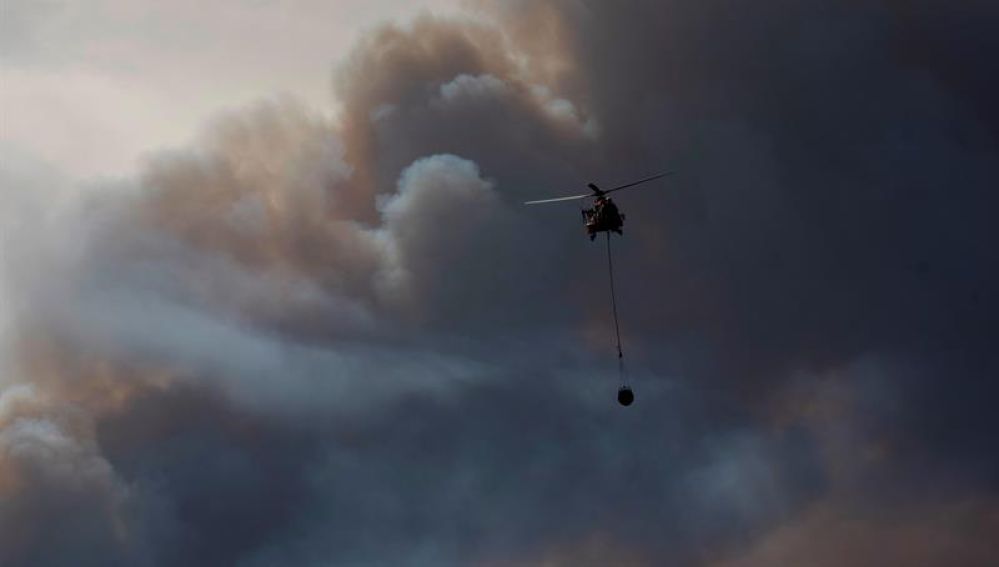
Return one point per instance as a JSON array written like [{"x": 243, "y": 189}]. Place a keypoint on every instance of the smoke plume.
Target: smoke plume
[{"x": 307, "y": 340}]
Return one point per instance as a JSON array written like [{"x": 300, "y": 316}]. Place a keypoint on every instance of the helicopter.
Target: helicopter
[{"x": 604, "y": 215}]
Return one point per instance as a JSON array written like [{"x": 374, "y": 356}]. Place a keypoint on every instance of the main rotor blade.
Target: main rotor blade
[
  {"x": 572, "y": 198},
  {"x": 632, "y": 184}
]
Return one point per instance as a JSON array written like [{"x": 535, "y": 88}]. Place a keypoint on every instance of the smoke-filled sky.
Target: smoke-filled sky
[{"x": 270, "y": 296}]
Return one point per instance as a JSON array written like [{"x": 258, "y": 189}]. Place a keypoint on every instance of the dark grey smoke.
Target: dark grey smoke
[{"x": 306, "y": 342}]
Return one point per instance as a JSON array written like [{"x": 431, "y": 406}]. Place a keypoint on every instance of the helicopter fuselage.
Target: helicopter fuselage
[{"x": 603, "y": 217}]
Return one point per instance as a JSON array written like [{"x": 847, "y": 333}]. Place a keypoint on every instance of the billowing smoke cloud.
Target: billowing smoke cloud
[{"x": 311, "y": 341}]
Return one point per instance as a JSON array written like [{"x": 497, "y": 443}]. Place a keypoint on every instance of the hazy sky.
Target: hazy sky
[
  {"x": 323, "y": 329},
  {"x": 89, "y": 87}
]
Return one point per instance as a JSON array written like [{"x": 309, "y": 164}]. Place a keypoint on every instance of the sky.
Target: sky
[
  {"x": 270, "y": 295},
  {"x": 99, "y": 84}
]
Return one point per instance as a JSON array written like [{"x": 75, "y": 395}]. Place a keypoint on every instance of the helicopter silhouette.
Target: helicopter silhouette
[{"x": 604, "y": 215}]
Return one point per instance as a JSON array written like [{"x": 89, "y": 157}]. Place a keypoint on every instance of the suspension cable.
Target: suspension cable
[{"x": 617, "y": 327}]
